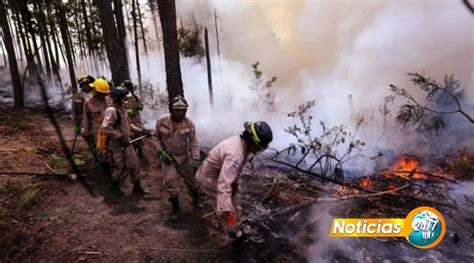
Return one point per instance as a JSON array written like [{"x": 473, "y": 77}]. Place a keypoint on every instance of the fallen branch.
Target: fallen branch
[
  {"x": 354, "y": 186},
  {"x": 430, "y": 175}
]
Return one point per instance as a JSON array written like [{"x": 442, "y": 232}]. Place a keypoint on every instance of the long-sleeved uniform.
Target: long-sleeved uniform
[
  {"x": 183, "y": 145},
  {"x": 93, "y": 115},
  {"x": 124, "y": 160},
  {"x": 219, "y": 175}
]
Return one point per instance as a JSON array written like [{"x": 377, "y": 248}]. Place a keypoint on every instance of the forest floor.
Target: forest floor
[{"x": 54, "y": 218}]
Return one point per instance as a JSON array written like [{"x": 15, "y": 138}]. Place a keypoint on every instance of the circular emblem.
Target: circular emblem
[{"x": 425, "y": 227}]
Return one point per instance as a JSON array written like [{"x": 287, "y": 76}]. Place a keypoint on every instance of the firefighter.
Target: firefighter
[
  {"x": 118, "y": 129},
  {"x": 133, "y": 106},
  {"x": 176, "y": 142},
  {"x": 77, "y": 106},
  {"x": 219, "y": 175},
  {"x": 94, "y": 109}
]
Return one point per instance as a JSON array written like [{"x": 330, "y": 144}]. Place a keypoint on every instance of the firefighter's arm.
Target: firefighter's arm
[
  {"x": 156, "y": 137},
  {"x": 110, "y": 116},
  {"x": 194, "y": 143}
]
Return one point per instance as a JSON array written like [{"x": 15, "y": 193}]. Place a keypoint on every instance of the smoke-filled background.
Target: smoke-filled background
[
  {"x": 323, "y": 51},
  {"x": 326, "y": 51}
]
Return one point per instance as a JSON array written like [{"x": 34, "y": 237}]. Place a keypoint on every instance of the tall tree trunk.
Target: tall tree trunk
[
  {"x": 116, "y": 54},
  {"x": 54, "y": 60},
  {"x": 209, "y": 72},
  {"x": 139, "y": 13},
  {"x": 15, "y": 75},
  {"x": 174, "y": 83},
  {"x": 25, "y": 41},
  {"x": 118, "y": 12},
  {"x": 27, "y": 21},
  {"x": 3, "y": 52},
  {"x": 63, "y": 28},
  {"x": 137, "y": 50},
  {"x": 152, "y": 6},
  {"x": 87, "y": 27},
  {"x": 43, "y": 39},
  {"x": 18, "y": 38}
]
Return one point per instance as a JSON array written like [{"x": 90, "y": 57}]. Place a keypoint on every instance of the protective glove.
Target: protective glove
[
  {"x": 130, "y": 113},
  {"x": 76, "y": 128},
  {"x": 231, "y": 226},
  {"x": 195, "y": 165},
  {"x": 165, "y": 157}
]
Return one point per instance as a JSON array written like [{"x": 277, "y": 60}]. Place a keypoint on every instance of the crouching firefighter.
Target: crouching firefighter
[
  {"x": 219, "y": 175},
  {"x": 118, "y": 129},
  {"x": 176, "y": 142}
]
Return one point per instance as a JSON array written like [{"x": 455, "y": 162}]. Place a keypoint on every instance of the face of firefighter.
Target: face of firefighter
[
  {"x": 178, "y": 115},
  {"x": 86, "y": 88}
]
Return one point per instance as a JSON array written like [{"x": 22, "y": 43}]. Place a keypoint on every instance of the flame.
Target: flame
[
  {"x": 406, "y": 167},
  {"x": 366, "y": 183}
]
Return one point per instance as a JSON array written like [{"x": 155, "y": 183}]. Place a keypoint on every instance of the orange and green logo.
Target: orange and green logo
[{"x": 424, "y": 227}]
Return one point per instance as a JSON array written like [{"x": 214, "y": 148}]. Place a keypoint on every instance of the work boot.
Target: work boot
[
  {"x": 115, "y": 188},
  {"x": 138, "y": 189},
  {"x": 174, "y": 215}
]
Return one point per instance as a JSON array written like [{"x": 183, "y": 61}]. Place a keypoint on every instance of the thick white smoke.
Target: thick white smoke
[{"x": 321, "y": 50}]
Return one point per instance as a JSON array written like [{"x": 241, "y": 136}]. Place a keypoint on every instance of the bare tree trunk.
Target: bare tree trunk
[
  {"x": 209, "y": 72},
  {"x": 118, "y": 12},
  {"x": 41, "y": 30},
  {"x": 87, "y": 27},
  {"x": 114, "y": 45},
  {"x": 141, "y": 26},
  {"x": 174, "y": 83},
  {"x": 152, "y": 6},
  {"x": 15, "y": 75},
  {"x": 3, "y": 52},
  {"x": 137, "y": 50},
  {"x": 63, "y": 28}
]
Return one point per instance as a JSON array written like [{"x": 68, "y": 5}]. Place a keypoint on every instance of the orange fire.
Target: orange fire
[
  {"x": 406, "y": 167},
  {"x": 366, "y": 183}
]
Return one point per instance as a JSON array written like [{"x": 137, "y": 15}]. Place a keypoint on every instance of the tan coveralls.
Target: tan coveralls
[
  {"x": 219, "y": 175},
  {"x": 183, "y": 146},
  {"x": 93, "y": 115},
  {"x": 134, "y": 104},
  {"x": 124, "y": 160}
]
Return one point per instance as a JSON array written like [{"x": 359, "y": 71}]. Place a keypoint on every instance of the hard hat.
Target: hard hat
[
  {"x": 86, "y": 79},
  {"x": 179, "y": 103},
  {"x": 119, "y": 93},
  {"x": 128, "y": 84},
  {"x": 101, "y": 85},
  {"x": 260, "y": 132}
]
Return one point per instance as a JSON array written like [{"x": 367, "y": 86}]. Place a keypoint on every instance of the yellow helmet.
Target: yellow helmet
[{"x": 100, "y": 85}]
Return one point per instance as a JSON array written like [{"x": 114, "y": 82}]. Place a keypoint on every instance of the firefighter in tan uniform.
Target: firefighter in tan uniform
[
  {"x": 219, "y": 175},
  {"x": 78, "y": 99},
  {"x": 133, "y": 106},
  {"x": 176, "y": 142},
  {"x": 118, "y": 128},
  {"x": 94, "y": 109}
]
